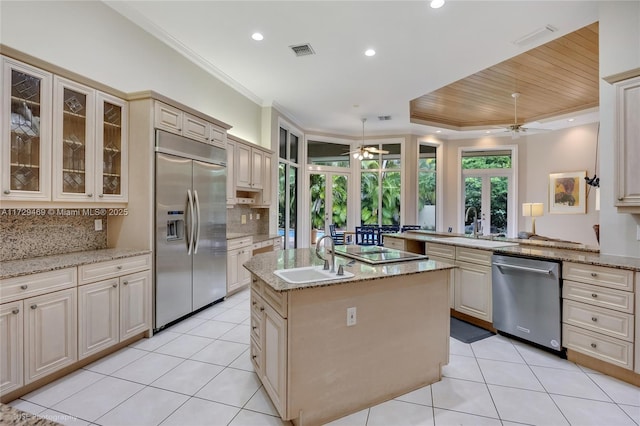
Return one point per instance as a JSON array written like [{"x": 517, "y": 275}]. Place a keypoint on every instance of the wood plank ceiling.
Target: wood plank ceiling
[{"x": 559, "y": 77}]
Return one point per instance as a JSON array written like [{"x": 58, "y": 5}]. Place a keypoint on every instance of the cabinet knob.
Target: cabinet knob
[
  {"x": 114, "y": 285},
  {"x": 24, "y": 287},
  {"x": 34, "y": 306},
  {"x": 125, "y": 282},
  {"x": 255, "y": 280},
  {"x": 119, "y": 267},
  {"x": 254, "y": 327},
  {"x": 594, "y": 295},
  {"x": 254, "y": 356},
  {"x": 101, "y": 195},
  {"x": 254, "y": 303},
  {"x": 89, "y": 195},
  {"x": 6, "y": 191},
  {"x": 593, "y": 345},
  {"x": 15, "y": 311},
  {"x": 594, "y": 319},
  {"x": 620, "y": 198},
  {"x": 593, "y": 274},
  {"x": 261, "y": 308}
]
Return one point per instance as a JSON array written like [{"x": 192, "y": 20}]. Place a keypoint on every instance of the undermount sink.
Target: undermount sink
[
  {"x": 474, "y": 242},
  {"x": 309, "y": 274}
]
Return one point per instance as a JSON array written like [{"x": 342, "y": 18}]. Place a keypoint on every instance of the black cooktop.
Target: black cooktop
[{"x": 376, "y": 255}]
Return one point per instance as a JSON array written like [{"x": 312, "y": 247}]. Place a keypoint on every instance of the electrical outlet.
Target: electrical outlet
[
  {"x": 98, "y": 224},
  {"x": 243, "y": 219},
  {"x": 351, "y": 316},
  {"x": 250, "y": 216},
  {"x": 257, "y": 216}
]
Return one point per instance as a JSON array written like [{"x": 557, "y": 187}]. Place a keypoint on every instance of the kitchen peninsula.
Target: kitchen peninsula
[{"x": 316, "y": 367}]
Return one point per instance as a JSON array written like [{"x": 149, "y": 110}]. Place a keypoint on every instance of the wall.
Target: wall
[
  {"x": 253, "y": 226},
  {"x": 100, "y": 44},
  {"x": 23, "y": 237},
  {"x": 619, "y": 51},
  {"x": 539, "y": 155}
]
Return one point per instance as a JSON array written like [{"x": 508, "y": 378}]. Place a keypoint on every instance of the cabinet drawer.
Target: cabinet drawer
[
  {"x": 256, "y": 285},
  {"x": 598, "y": 296},
  {"x": 606, "y": 321},
  {"x": 441, "y": 250},
  {"x": 112, "y": 268},
  {"x": 276, "y": 299},
  {"x": 256, "y": 357},
  {"x": 236, "y": 243},
  {"x": 256, "y": 327},
  {"x": 12, "y": 289},
  {"x": 394, "y": 243},
  {"x": 481, "y": 257},
  {"x": 599, "y": 275},
  {"x": 613, "y": 351}
]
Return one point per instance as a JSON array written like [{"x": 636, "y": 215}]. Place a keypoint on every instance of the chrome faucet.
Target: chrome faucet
[
  {"x": 475, "y": 220},
  {"x": 333, "y": 253}
]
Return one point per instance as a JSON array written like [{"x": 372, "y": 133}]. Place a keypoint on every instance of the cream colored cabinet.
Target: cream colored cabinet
[
  {"x": 598, "y": 312},
  {"x": 269, "y": 341},
  {"x": 89, "y": 144},
  {"x": 115, "y": 302},
  {"x": 637, "y": 339},
  {"x": 50, "y": 328},
  {"x": 98, "y": 317},
  {"x": 25, "y": 129},
  {"x": 473, "y": 292},
  {"x": 627, "y": 148},
  {"x": 446, "y": 254},
  {"x": 174, "y": 120},
  {"x": 239, "y": 250},
  {"x": 249, "y": 167},
  {"x": 231, "y": 173},
  {"x": 267, "y": 179},
  {"x": 11, "y": 346}
]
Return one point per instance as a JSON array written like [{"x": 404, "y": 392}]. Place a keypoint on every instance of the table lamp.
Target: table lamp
[{"x": 533, "y": 210}]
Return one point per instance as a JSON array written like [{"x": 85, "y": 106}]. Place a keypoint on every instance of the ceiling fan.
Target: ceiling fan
[
  {"x": 365, "y": 152},
  {"x": 517, "y": 129}
]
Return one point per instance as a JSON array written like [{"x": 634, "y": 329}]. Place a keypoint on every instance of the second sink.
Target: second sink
[{"x": 309, "y": 274}]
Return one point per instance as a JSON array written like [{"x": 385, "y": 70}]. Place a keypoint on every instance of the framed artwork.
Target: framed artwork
[{"x": 567, "y": 193}]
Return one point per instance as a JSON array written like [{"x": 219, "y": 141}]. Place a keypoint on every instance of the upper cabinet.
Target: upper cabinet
[
  {"x": 176, "y": 121},
  {"x": 627, "y": 144},
  {"x": 61, "y": 141},
  {"x": 252, "y": 174},
  {"x": 25, "y": 129}
]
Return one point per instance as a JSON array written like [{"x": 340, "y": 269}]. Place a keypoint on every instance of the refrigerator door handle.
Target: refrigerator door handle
[
  {"x": 197, "y": 223},
  {"x": 191, "y": 222}
]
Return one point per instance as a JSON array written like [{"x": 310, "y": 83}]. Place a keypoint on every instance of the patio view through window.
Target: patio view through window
[{"x": 380, "y": 187}]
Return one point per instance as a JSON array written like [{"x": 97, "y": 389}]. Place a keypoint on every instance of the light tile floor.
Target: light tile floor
[{"x": 198, "y": 372}]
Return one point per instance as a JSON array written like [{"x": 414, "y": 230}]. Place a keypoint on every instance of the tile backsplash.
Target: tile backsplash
[
  {"x": 252, "y": 225},
  {"x": 24, "y": 237}
]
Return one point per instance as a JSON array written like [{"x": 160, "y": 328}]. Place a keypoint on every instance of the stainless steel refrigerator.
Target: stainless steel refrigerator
[{"x": 191, "y": 227}]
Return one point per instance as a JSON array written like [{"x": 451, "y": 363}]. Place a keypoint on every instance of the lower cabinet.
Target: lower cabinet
[
  {"x": 473, "y": 293},
  {"x": 50, "y": 328},
  {"x": 11, "y": 346},
  {"x": 237, "y": 275},
  {"x": 111, "y": 311}
]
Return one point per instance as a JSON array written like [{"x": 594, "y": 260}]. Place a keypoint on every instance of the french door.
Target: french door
[
  {"x": 489, "y": 194},
  {"x": 328, "y": 193}
]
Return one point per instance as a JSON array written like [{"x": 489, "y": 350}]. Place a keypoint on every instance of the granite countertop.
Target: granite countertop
[
  {"x": 551, "y": 250},
  {"x": 264, "y": 264},
  {"x": 13, "y": 417},
  {"x": 34, "y": 265}
]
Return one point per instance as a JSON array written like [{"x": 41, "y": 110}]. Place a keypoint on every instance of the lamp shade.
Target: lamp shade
[{"x": 532, "y": 209}]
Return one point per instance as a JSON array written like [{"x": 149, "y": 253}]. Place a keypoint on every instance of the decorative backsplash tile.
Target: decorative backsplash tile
[
  {"x": 24, "y": 237},
  {"x": 253, "y": 225}
]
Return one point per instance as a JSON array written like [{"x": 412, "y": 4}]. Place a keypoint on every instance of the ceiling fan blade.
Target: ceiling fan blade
[{"x": 375, "y": 150}]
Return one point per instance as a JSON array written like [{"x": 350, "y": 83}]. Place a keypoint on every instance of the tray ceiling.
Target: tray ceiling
[{"x": 559, "y": 77}]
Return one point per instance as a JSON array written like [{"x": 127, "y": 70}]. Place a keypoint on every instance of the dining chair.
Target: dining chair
[
  {"x": 410, "y": 227},
  {"x": 367, "y": 235},
  {"x": 337, "y": 237}
]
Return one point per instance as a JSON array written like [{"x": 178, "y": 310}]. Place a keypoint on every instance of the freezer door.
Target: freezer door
[
  {"x": 210, "y": 241},
  {"x": 174, "y": 221}
]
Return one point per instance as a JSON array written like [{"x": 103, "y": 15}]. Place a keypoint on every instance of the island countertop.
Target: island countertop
[{"x": 263, "y": 265}]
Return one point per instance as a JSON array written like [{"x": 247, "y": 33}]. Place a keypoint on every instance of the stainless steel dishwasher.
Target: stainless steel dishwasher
[{"x": 527, "y": 299}]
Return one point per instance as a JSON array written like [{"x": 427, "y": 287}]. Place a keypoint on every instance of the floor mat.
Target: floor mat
[{"x": 467, "y": 333}]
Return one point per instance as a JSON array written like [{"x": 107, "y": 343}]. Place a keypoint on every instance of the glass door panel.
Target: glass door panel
[
  {"x": 489, "y": 196},
  {"x": 499, "y": 205},
  {"x": 74, "y": 142},
  {"x": 473, "y": 190},
  {"x": 317, "y": 192},
  {"x": 329, "y": 205},
  {"x": 111, "y": 149},
  {"x": 339, "y": 200}
]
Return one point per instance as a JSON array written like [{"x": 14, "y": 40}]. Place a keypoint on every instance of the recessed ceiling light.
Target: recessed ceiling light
[
  {"x": 257, "y": 36},
  {"x": 369, "y": 52},
  {"x": 438, "y": 131},
  {"x": 436, "y": 4},
  {"x": 571, "y": 120},
  {"x": 488, "y": 131}
]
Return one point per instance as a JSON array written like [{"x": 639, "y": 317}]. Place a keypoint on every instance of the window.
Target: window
[
  {"x": 288, "y": 187},
  {"x": 328, "y": 154},
  {"x": 487, "y": 191},
  {"x": 380, "y": 190},
  {"x": 427, "y": 187}
]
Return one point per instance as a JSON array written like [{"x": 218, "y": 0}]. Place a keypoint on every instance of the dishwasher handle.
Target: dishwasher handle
[{"x": 524, "y": 268}]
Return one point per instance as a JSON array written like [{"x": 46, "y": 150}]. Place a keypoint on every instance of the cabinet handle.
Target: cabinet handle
[
  {"x": 101, "y": 195},
  {"x": 254, "y": 327},
  {"x": 255, "y": 280},
  {"x": 593, "y": 274},
  {"x": 125, "y": 282},
  {"x": 34, "y": 306},
  {"x": 254, "y": 303},
  {"x": 24, "y": 287},
  {"x": 254, "y": 356},
  {"x": 261, "y": 308},
  {"x": 89, "y": 195},
  {"x": 593, "y": 345},
  {"x": 15, "y": 311},
  {"x": 6, "y": 191},
  {"x": 594, "y": 295},
  {"x": 594, "y": 319}
]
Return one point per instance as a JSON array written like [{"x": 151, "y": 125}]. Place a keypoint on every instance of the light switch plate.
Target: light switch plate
[
  {"x": 243, "y": 219},
  {"x": 257, "y": 216},
  {"x": 98, "y": 224}
]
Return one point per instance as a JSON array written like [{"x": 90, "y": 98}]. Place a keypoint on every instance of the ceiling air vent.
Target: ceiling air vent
[
  {"x": 302, "y": 49},
  {"x": 384, "y": 117}
]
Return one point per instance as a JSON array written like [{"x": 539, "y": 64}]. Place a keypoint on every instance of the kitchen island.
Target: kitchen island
[{"x": 317, "y": 368}]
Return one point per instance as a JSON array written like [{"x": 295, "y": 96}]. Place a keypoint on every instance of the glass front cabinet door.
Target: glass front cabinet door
[
  {"x": 111, "y": 149},
  {"x": 25, "y": 129}
]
